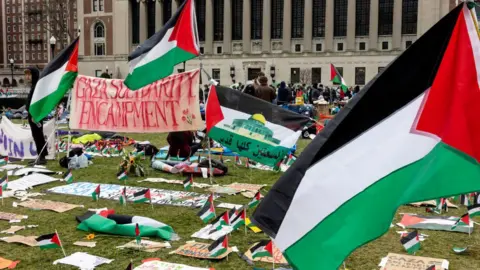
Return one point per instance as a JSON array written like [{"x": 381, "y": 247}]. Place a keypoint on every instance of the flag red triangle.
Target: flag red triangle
[
  {"x": 183, "y": 32},
  {"x": 56, "y": 240},
  {"x": 213, "y": 111},
  {"x": 72, "y": 64}
]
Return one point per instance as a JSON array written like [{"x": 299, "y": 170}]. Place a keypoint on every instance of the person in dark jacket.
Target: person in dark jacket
[
  {"x": 264, "y": 91},
  {"x": 250, "y": 90},
  {"x": 182, "y": 144},
  {"x": 284, "y": 96},
  {"x": 32, "y": 74}
]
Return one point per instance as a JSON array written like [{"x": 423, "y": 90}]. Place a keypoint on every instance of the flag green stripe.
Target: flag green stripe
[
  {"x": 411, "y": 183},
  {"x": 44, "y": 106},
  {"x": 140, "y": 200},
  {"x": 157, "y": 69},
  {"x": 49, "y": 246},
  {"x": 262, "y": 253}
]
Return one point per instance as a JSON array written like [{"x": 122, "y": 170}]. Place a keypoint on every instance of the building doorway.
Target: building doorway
[{"x": 253, "y": 73}]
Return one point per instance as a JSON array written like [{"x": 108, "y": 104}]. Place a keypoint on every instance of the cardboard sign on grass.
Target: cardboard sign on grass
[
  {"x": 277, "y": 256},
  {"x": 159, "y": 265},
  {"x": 26, "y": 240},
  {"x": 58, "y": 207},
  {"x": 406, "y": 262},
  {"x": 246, "y": 187},
  {"x": 198, "y": 250},
  {"x": 30, "y": 181},
  {"x": 11, "y": 217}
]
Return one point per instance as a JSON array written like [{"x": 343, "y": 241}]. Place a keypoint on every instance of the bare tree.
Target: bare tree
[
  {"x": 306, "y": 76},
  {"x": 54, "y": 16}
]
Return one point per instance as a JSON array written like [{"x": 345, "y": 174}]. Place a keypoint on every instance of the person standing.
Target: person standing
[
  {"x": 284, "y": 95},
  {"x": 32, "y": 74},
  {"x": 264, "y": 91}
]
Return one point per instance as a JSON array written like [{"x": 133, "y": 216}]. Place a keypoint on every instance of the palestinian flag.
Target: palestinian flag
[
  {"x": 54, "y": 82},
  {"x": 291, "y": 160},
  {"x": 122, "y": 176},
  {"x": 49, "y": 241},
  {"x": 238, "y": 161},
  {"x": 4, "y": 161},
  {"x": 387, "y": 155},
  {"x": 175, "y": 43},
  {"x": 464, "y": 199},
  {"x": 137, "y": 234},
  {"x": 251, "y": 127},
  {"x": 68, "y": 177},
  {"x": 4, "y": 183},
  {"x": 221, "y": 220},
  {"x": 263, "y": 248},
  {"x": 188, "y": 183},
  {"x": 256, "y": 200},
  {"x": 218, "y": 247},
  {"x": 207, "y": 212},
  {"x": 441, "y": 204},
  {"x": 123, "y": 196},
  {"x": 239, "y": 219},
  {"x": 142, "y": 196},
  {"x": 96, "y": 193},
  {"x": 411, "y": 242},
  {"x": 474, "y": 210},
  {"x": 462, "y": 221},
  {"x": 109, "y": 223},
  {"x": 432, "y": 267},
  {"x": 337, "y": 79}
]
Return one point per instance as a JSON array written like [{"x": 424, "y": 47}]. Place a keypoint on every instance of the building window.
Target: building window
[
  {"x": 385, "y": 17},
  {"x": 150, "y": 18},
  {"x": 409, "y": 17},
  {"x": 318, "y": 47},
  {"x": 340, "y": 46},
  {"x": 360, "y": 76},
  {"x": 202, "y": 50},
  {"x": 277, "y": 19},
  {"x": 219, "y": 49},
  {"x": 294, "y": 75},
  {"x": 8, "y": 19},
  {"x": 200, "y": 12},
  {"x": 135, "y": 21},
  {"x": 257, "y": 19},
  {"x": 9, "y": 38},
  {"x": 27, "y": 56},
  {"x": 95, "y": 5},
  {"x": 100, "y": 5},
  {"x": 362, "y": 18},
  {"x": 362, "y": 46},
  {"x": 218, "y": 20},
  {"x": 99, "y": 38},
  {"x": 9, "y": 47},
  {"x": 408, "y": 43},
  {"x": 298, "y": 16},
  {"x": 99, "y": 48},
  {"x": 385, "y": 45},
  {"x": 33, "y": 56},
  {"x": 318, "y": 26},
  {"x": 8, "y": 29},
  {"x": 167, "y": 11},
  {"x": 39, "y": 56},
  {"x": 237, "y": 20},
  {"x": 298, "y": 48},
  {"x": 99, "y": 30},
  {"x": 216, "y": 74},
  {"x": 316, "y": 75},
  {"x": 340, "y": 14}
]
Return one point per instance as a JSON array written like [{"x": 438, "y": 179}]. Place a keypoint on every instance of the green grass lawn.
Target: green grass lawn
[{"x": 185, "y": 222}]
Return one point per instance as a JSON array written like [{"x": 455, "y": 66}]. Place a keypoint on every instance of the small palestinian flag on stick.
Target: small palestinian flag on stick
[
  {"x": 188, "y": 183},
  {"x": 411, "y": 242},
  {"x": 123, "y": 196},
  {"x": 239, "y": 220},
  {"x": 464, "y": 200},
  {"x": 256, "y": 200},
  {"x": 463, "y": 221},
  {"x": 207, "y": 212},
  {"x": 48, "y": 241},
  {"x": 474, "y": 210},
  {"x": 68, "y": 177},
  {"x": 122, "y": 176},
  {"x": 221, "y": 220},
  {"x": 142, "y": 196},
  {"x": 137, "y": 234},
  {"x": 337, "y": 78},
  {"x": 4, "y": 183},
  {"x": 4, "y": 161},
  {"x": 263, "y": 248},
  {"x": 238, "y": 161},
  {"x": 218, "y": 247},
  {"x": 96, "y": 193}
]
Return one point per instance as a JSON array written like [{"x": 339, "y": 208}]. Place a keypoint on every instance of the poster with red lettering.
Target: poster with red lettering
[{"x": 171, "y": 104}]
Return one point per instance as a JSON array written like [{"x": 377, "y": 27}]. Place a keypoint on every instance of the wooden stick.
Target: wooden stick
[{"x": 61, "y": 245}]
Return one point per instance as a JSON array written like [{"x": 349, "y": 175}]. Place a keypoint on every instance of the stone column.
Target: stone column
[
  {"x": 246, "y": 29},
  {"x": 397, "y": 25},
  {"x": 287, "y": 26},
  {"x": 174, "y": 6},
  {"x": 351, "y": 25},
  {"x": 158, "y": 15},
  {"x": 208, "y": 47},
  {"x": 143, "y": 20},
  {"x": 307, "y": 26},
  {"x": 373, "y": 32},
  {"x": 266, "y": 34},
  {"x": 329, "y": 25},
  {"x": 227, "y": 27}
]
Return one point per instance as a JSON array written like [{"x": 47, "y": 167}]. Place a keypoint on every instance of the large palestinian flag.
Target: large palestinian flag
[
  {"x": 336, "y": 78},
  {"x": 55, "y": 80},
  {"x": 251, "y": 127},
  {"x": 106, "y": 222},
  {"x": 175, "y": 43},
  {"x": 413, "y": 127}
]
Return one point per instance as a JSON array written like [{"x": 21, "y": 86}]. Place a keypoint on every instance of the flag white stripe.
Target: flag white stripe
[
  {"x": 474, "y": 40},
  {"x": 410, "y": 243},
  {"x": 45, "y": 242},
  {"x": 391, "y": 146},
  {"x": 474, "y": 210},
  {"x": 205, "y": 215},
  {"x": 48, "y": 84},
  {"x": 156, "y": 52},
  {"x": 217, "y": 249}
]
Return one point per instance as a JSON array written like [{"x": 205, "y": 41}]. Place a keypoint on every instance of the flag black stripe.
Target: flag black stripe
[
  {"x": 60, "y": 59},
  {"x": 45, "y": 237},
  {"x": 236, "y": 100},
  {"x": 260, "y": 244},
  {"x": 401, "y": 82},
  {"x": 409, "y": 237},
  {"x": 204, "y": 209},
  {"x": 142, "y": 192},
  {"x": 216, "y": 243},
  {"x": 158, "y": 36}
]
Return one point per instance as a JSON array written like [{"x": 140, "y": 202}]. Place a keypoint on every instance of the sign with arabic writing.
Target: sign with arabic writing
[{"x": 252, "y": 127}]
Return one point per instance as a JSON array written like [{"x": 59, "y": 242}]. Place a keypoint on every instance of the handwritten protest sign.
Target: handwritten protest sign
[
  {"x": 26, "y": 240},
  {"x": 277, "y": 256},
  {"x": 55, "y": 206},
  {"x": 112, "y": 192},
  {"x": 406, "y": 262},
  {"x": 171, "y": 104},
  {"x": 11, "y": 217},
  {"x": 159, "y": 265},
  {"x": 198, "y": 250},
  {"x": 30, "y": 181},
  {"x": 17, "y": 142}
]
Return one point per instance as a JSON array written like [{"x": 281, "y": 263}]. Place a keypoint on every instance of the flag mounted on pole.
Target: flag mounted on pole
[
  {"x": 49, "y": 241},
  {"x": 207, "y": 212},
  {"x": 218, "y": 247},
  {"x": 474, "y": 210},
  {"x": 462, "y": 221},
  {"x": 123, "y": 196},
  {"x": 122, "y": 176},
  {"x": 256, "y": 200},
  {"x": 4, "y": 161},
  {"x": 96, "y": 193},
  {"x": 336, "y": 78},
  {"x": 137, "y": 234},
  {"x": 54, "y": 82},
  {"x": 175, "y": 43},
  {"x": 142, "y": 196},
  {"x": 68, "y": 177},
  {"x": 395, "y": 153},
  {"x": 4, "y": 183},
  {"x": 188, "y": 183},
  {"x": 264, "y": 248}
]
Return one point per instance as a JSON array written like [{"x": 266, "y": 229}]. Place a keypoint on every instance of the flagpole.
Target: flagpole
[{"x": 61, "y": 245}]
